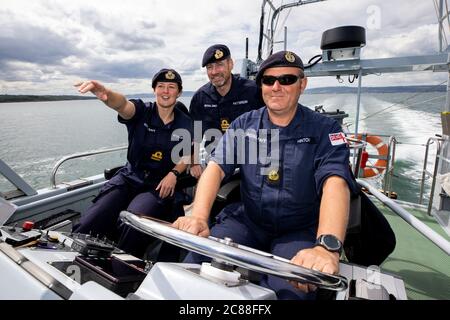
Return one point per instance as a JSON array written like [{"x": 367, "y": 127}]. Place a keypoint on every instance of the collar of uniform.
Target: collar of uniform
[
  {"x": 235, "y": 85},
  {"x": 293, "y": 125},
  {"x": 155, "y": 120},
  {"x": 180, "y": 119}
]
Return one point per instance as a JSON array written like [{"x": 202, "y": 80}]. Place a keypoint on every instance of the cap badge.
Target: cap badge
[
  {"x": 170, "y": 75},
  {"x": 290, "y": 57},
  {"x": 218, "y": 54}
]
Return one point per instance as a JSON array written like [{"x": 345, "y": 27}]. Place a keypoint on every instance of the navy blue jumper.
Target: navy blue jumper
[
  {"x": 279, "y": 208},
  {"x": 217, "y": 112},
  {"x": 132, "y": 188}
]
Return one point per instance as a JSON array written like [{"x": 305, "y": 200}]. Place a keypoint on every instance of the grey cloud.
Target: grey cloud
[
  {"x": 188, "y": 72},
  {"x": 90, "y": 17},
  {"x": 8, "y": 73},
  {"x": 189, "y": 68},
  {"x": 136, "y": 41},
  {"x": 33, "y": 44},
  {"x": 112, "y": 70},
  {"x": 148, "y": 25},
  {"x": 103, "y": 70},
  {"x": 28, "y": 52},
  {"x": 132, "y": 39},
  {"x": 31, "y": 73}
]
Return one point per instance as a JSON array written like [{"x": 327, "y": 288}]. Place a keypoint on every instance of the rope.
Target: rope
[
  {"x": 432, "y": 99},
  {"x": 401, "y": 102}
]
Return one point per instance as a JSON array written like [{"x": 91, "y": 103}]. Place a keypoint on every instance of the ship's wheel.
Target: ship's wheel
[{"x": 226, "y": 251}]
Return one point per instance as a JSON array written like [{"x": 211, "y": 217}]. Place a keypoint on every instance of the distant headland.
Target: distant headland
[
  {"x": 324, "y": 90},
  {"x": 35, "y": 98}
]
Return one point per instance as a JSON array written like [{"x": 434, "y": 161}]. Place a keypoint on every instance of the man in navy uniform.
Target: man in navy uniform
[
  {"x": 146, "y": 184},
  {"x": 297, "y": 209},
  {"x": 224, "y": 98}
]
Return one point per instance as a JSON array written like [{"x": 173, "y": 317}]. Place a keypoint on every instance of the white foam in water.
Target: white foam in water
[
  {"x": 24, "y": 154},
  {"x": 410, "y": 127},
  {"x": 407, "y": 125},
  {"x": 46, "y": 161}
]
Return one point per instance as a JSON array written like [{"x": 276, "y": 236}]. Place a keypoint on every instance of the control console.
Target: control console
[
  {"x": 88, "y": 245},
  {"x": 19, "y": 236}
]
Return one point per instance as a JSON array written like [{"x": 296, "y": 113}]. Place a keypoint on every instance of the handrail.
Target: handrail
[
  {"x": 421, "y": 227},
  {"x": 425, "y": 172},
  {"x": 359, "y": 145},
  {"x": 79, "y": 155},
  {"x": 15, "y": 179},
  {"x": 389, "y": 171}
]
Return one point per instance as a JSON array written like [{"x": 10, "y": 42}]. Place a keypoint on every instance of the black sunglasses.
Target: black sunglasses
[{"x": 284, "y": 79}]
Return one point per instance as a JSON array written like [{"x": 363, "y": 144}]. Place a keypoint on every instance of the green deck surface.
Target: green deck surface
[{"x": 424, "y": 267}]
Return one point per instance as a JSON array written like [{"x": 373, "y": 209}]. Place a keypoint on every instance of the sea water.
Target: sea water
[{"x": 35, "y": 135}]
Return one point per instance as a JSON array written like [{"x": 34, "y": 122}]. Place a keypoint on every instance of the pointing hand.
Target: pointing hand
[{"x": 93, "y": 86}]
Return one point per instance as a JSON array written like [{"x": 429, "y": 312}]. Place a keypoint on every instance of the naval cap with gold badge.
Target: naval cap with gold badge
[
  {"x": 279, "y": 59},
  {"x": 167, "y": 75},
  {"x": 215, "y": 53}
]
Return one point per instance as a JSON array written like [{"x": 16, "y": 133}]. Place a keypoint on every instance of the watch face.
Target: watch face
[{"x": 331, "y": 242}]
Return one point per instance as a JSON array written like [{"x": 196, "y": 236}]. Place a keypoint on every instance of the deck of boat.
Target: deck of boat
[{"x": 424, "y": 267}]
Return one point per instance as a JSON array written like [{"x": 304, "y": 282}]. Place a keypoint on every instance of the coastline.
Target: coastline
[{"x": 6, "y": 98}]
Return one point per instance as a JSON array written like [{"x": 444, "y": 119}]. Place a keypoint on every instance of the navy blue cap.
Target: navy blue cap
[
  {"x": 280, "y": 59},
  {"x": 167, "y": 75},
  {"x": 215, "y": 53}
]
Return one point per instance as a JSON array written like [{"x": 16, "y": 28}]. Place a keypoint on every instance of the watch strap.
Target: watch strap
[{"x": 175, "y": 172}]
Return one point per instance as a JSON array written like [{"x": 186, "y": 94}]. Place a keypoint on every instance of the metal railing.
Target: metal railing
[
  {"x": 357, "y": 146},
  {"x": 390, "y": 158},
  {"x": 427, "y": 174},
  {"x": 79, "y": 155},
  {"x": 23, "y": 188},
  {"x": 390, "y": 166},
  {"x": 421, "y": 227}
]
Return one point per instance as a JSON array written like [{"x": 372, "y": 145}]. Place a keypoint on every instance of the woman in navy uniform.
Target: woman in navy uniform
[
  {"x": 146, "y": 184},
  {"x": 295, "y": 201}
]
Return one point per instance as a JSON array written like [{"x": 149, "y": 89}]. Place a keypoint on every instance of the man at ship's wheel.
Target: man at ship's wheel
[{"x": 296, "y": 207}]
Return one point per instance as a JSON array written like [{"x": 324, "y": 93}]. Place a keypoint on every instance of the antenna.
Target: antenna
[{"x": 246, "y": 48}]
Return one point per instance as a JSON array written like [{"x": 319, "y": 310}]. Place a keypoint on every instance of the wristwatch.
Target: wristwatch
[
  {"x": 175, "y": 172},
  {"x": 329, "y": 242}
]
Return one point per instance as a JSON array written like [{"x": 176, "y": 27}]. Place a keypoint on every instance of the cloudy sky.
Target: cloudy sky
[{"x": 47, "y": 45}]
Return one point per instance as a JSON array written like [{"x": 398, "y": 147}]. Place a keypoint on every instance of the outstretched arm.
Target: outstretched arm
[{"x": 114, "y": 100}]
